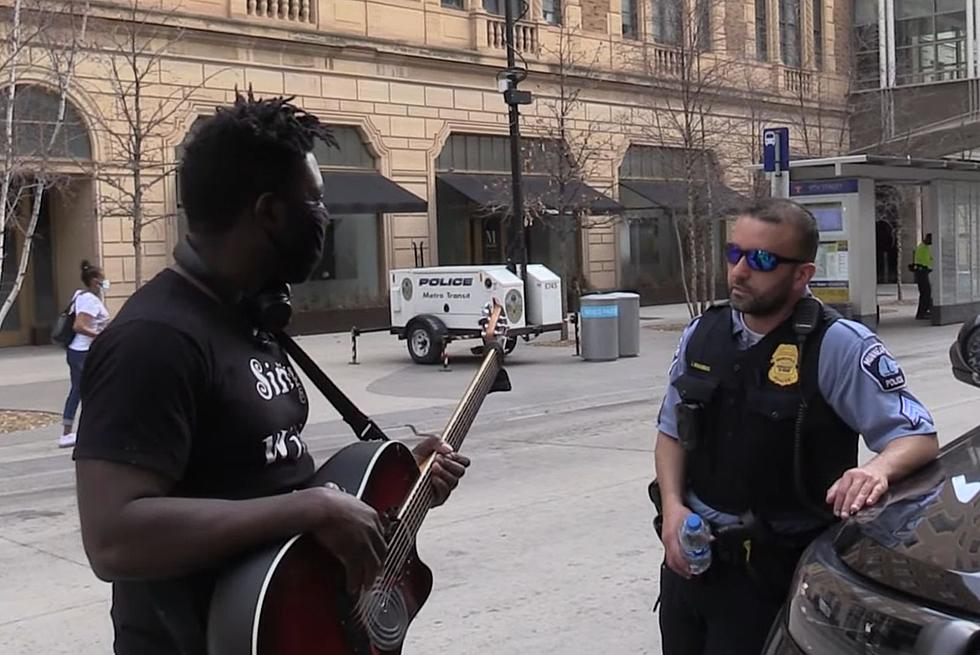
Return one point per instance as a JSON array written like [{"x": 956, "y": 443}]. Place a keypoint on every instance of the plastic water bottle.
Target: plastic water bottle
[{"x": 695, "y": 537}]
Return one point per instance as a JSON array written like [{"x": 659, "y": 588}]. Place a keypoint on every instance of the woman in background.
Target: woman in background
[{"x": 91, "y": 317}]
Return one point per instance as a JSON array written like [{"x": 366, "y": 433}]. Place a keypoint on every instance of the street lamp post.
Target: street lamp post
[{"x": 509, "y": 79}]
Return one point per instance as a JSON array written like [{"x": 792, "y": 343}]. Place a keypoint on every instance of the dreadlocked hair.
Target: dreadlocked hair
[{"x": 252, "y": 147}]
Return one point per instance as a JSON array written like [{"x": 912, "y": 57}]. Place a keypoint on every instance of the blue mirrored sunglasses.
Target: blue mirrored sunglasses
[{"x": 757, "y": 259}]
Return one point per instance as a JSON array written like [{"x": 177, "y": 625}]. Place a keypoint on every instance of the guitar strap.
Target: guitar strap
[{"x": 364, "y": 428}]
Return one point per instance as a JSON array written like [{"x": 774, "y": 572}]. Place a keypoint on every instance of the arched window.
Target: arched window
[
  {"x": 36, "y": 112},
  {"x": 349, "y": 153}
]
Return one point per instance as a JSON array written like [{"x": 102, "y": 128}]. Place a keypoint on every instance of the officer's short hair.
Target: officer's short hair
[{"x": 781, "y": 210}]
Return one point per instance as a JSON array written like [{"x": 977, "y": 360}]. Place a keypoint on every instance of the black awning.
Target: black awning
[
  {"x": 367, "y": 192},
  {"x": 490, "y": 190},
  {"x": 672, "y": 195}
]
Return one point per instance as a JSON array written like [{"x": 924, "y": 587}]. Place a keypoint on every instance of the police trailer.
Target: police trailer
[{"x": 431, "y": 307}]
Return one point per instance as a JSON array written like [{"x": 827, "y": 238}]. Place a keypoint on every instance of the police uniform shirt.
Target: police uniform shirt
[{"x": 857, "y": 377}]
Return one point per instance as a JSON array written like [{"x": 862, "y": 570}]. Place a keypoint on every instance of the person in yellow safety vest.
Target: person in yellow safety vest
[{"x": 921, "y": 267}]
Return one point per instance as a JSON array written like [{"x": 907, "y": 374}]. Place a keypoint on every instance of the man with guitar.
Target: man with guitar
[
  {"x": 758, "y": 434},
  {"x": 190, "y": 449}
]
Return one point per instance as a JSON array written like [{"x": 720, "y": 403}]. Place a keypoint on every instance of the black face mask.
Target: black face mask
[{"x": 300, "y": 243}]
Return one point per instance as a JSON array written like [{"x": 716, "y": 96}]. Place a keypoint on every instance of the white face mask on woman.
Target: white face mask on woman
[{"x": 104, "y": 284}]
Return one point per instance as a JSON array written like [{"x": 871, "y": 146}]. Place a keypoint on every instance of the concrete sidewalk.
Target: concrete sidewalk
[
  {"x": 547, "y": 546},
  {"x": 36, "y": 377}
]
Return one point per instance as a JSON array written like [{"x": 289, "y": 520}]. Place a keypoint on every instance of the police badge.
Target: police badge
[{"x": 784, "y": 362}]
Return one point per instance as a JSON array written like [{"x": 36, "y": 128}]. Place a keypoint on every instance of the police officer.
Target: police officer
[
  {"x": 758, "y": 434},
  {"x": 922, "y": 267}
]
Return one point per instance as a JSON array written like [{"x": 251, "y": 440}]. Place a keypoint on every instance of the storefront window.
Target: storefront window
[{"x": 349, "y": 274}]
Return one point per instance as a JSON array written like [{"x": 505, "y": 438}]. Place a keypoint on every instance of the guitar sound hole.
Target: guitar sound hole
[{"x": 387, "y": 618}]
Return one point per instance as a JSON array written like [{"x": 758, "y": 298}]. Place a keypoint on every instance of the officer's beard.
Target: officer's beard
[{"x": 771, "y": 303}]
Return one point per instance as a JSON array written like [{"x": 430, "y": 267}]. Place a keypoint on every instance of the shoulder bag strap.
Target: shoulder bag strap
[{"x": 365, "y": 428}]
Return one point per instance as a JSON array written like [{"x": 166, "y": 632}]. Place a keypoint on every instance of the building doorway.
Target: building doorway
[
  {"x": 474, "y": 205},
  {"x": 66, "y": 227}
]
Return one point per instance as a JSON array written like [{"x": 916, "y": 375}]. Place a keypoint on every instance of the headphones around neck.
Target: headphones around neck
[{"x": 268, "y": 311}]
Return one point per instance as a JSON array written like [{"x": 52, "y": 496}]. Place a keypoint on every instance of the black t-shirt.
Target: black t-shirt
[{"x": 180, "y": 384}]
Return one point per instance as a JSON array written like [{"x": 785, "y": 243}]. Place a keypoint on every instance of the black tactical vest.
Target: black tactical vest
[{"x": 751, "y": 399}]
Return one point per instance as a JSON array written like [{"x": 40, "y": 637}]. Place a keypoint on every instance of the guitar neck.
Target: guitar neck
[{"x": 419, "y": 500}]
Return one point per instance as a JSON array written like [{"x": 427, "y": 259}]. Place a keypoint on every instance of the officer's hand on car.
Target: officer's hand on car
[
  {"x": 858, "y": 488},
  {"x": 674, "y": 517}
]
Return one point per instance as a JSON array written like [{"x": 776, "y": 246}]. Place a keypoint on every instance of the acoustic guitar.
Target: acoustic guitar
[{"x": 291, "y": 598}]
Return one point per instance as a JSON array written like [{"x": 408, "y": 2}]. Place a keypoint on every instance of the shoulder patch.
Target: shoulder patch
[
  {"x": 882, "y": 367},
  {"x": 914, "y": 412}
]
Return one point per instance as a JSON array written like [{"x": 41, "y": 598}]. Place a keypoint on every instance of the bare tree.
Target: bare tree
[
  {"x": 570, "y": 149},
  {"x": 689, "y": 85},
  {"x": 34, "y": 161},
  {"x": 566, "y": 149},
  {"x": 756, "y": 115},
  {"x": 821, "y": 125},
  {"x": 145, "y": 112}
]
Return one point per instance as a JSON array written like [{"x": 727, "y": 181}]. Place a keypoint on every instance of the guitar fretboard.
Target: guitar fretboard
[{"x": 419, "y": 501}]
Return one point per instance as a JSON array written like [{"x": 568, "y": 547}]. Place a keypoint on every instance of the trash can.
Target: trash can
[
  {"x": 599, "y": 316},
  {"x": 629, "y": 323}
]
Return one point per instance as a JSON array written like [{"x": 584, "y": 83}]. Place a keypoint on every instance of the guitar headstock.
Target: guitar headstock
[{"x": 493, "y": 323}]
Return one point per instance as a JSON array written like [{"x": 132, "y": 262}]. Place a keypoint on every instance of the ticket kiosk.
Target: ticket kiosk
[{"x": 845, "y": 213}]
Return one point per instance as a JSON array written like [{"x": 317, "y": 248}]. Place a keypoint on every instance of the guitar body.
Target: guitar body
[{"x": 291, "y": 598}]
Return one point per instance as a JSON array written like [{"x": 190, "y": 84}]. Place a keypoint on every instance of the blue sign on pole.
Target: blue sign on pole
[{"x": 775, "y": 149}]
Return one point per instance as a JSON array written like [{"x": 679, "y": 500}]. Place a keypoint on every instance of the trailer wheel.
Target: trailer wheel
[
  {"x": 509, "y": 345},
  {"x": 424, "y": 336}
]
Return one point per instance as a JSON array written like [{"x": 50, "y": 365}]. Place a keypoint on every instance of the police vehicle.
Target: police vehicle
[
  {"x": 903, "y": 576},
  {"x": 433, "y": 306}
]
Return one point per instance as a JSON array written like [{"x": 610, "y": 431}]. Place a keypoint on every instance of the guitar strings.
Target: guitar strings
[
  {"x": 404, "y": 538},
  {"x": 417, "y": 510},
  {"x": 421, "y": 503},
  {"x": 416, "y": 513}
]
